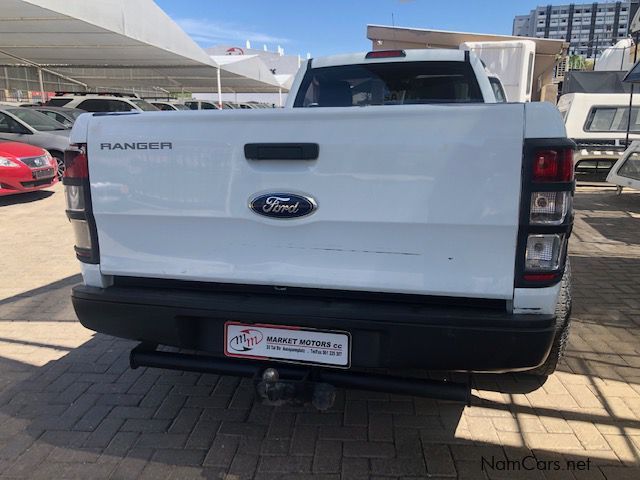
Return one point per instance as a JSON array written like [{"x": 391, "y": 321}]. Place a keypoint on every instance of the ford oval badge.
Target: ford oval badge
[{"x": 283, "y": 205}]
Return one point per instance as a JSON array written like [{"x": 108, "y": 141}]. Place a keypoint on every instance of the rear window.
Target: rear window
[
  {"x": 58, "y": 102},
  {"x": 162, "y": 106},
  {"x": 631, "y": 167},
  {"x": 399, "y": 83},
  {"x": 104, "y": 105},
  {"x": 143, "y": 105},
  {"x": 612, "y": 119}
]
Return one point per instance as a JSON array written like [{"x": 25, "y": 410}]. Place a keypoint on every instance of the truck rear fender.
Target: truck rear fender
[{"x": 543, "y": 128}]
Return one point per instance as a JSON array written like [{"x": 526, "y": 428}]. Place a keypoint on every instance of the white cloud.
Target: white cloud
[{"x": 209, "y": 32}]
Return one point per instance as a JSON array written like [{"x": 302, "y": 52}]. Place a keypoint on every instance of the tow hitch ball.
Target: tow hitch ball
[{"x": 275, "y": 391}]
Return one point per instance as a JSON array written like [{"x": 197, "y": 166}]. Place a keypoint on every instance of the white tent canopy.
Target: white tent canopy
[
  {"x": 616, "y": 58},
  {"x": 285, "y": 80},
  {"x": 117, "y": 43}
]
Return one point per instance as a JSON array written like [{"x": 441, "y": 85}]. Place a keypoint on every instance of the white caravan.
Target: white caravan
[{"x": 513, "y": 62}]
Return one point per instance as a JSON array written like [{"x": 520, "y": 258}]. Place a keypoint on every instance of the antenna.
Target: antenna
[{"x": 393, "y": 20}]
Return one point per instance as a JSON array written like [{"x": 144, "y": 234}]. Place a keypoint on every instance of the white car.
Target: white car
[
  {"x": 98, "y": 102},
  {"x": 626, "y": 171},
  {"x": 168, "y": 105},
  {"x": 201, "y": 105},
  {"x": 425, "y": 229}
]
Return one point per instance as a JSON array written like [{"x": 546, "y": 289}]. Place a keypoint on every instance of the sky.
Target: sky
[{"x": 325, "y": 27}]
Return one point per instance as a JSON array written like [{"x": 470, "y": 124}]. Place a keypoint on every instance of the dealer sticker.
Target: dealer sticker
[{"x": 292, "y": 344}]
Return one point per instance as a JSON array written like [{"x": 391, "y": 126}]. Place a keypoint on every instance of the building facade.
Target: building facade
[{"x": 589, "y": 28}]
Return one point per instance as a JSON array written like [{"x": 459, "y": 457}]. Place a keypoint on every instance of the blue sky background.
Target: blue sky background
[{"x": 332, "y": 26}]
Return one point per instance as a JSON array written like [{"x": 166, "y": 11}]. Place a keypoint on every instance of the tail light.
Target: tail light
[
  {"x": 78, "y": 199},
  {"x": 543, "y": 252},
  {"x": 550, "y": 208},
  {"x": 553, "y": 165},
  {"x": 546, "y": 214}
]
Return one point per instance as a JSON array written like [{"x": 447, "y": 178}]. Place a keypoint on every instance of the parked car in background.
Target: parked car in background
[
  {"x": 168, "y": 105},
  {"x": 201, "y": 105},
  {"x": 626, "y": 171},
  {"x": 247, "y": 106},
  {"x": 101, "y": 102},
  {"x": 597, "y": 122},
  {"x": 64, "y": 115},
  {"x": 26, "y": 125},
  {"x": 25, "y": 168}
]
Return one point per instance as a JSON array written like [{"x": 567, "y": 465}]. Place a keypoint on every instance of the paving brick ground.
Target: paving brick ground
[{"x": 71, "y": 408}]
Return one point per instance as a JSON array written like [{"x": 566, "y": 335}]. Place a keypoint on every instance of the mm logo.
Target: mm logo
[
  {"x": 246, "y": 340},
  {"x": 137, "y": 146}
]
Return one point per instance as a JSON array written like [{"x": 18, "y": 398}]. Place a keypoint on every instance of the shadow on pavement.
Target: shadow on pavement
[
  {"x": 619, "y": 229},
  {"x": 25, "y": 197},
  {"x": 59, "y": 288},
  {"x": 607, "y": 201}
]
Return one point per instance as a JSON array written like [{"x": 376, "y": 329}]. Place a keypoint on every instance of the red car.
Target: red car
[{"x": 25, "y": 168}]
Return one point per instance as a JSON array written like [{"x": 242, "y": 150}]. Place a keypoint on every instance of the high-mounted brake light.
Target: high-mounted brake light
[
  {"x": 553, "y": 165},
  {"x": 386, "y": 54}
]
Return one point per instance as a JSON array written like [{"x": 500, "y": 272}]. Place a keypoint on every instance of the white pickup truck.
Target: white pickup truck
[{"x": 301, "y": 246}]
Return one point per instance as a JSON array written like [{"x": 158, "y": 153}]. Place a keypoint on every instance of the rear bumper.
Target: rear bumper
[{"x": 385, "y": 333}]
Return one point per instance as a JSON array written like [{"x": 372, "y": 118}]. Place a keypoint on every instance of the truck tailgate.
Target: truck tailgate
[{"x": 412, "y": 199}]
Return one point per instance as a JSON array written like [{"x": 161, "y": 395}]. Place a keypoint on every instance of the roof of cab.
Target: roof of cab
[{"x": 411, "y": 55}]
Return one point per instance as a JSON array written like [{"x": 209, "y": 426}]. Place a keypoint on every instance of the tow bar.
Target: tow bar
[{"x": 278, "y": 384}]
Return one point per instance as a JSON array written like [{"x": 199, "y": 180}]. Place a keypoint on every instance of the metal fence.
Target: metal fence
[{"x": 21, "y": 84}]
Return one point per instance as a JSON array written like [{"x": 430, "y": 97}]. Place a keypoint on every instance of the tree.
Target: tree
[{"x": 576, "y": 62}]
